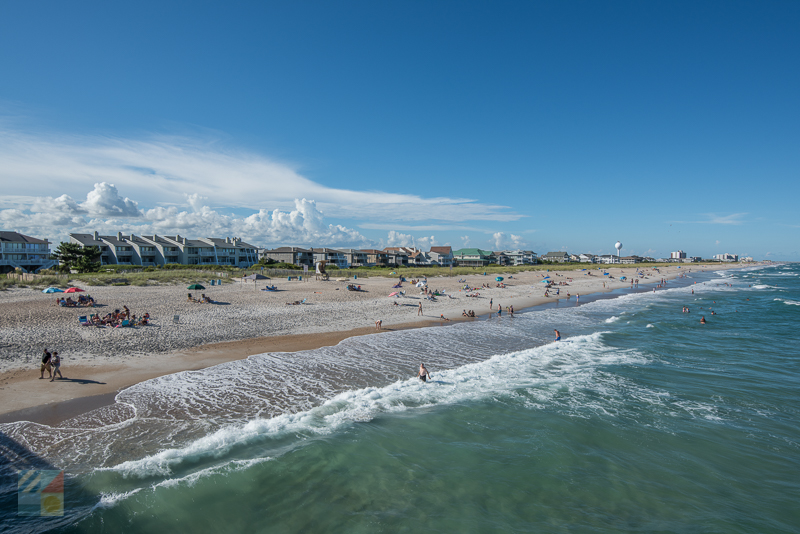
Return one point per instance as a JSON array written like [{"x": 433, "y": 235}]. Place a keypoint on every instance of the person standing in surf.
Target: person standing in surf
[
  {"x": 558, "y": 335},
  {"x": 423, "y": 373}
]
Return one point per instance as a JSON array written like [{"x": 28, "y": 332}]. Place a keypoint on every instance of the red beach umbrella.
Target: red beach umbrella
[{"x": 73, "y": 290}]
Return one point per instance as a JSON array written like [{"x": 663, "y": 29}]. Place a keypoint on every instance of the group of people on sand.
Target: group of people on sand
[
  {"x": 203, "y": 299},
  {"x": 117, "y": 318},
  {"x": 52, "y": 364},
  {"x": 470, "y": 313},
  {"x": 83, "y": 300}
]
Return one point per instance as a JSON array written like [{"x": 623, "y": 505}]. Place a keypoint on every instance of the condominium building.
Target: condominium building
[
  {"x": 18, "y": 251},
  {"x": 154, "y": 250},
  {"x": 726, "y": 257},
  {"x": 679, "y": 255}
]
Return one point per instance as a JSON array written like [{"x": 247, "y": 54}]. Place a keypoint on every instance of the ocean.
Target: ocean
[{"x": 640, "y": 420}]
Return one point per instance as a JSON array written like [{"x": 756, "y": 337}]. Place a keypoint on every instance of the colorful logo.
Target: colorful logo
[{"x": 40, "y": 492}]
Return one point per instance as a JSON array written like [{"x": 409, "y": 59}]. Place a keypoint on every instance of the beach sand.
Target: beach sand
[{"x": 98, "y": 362}]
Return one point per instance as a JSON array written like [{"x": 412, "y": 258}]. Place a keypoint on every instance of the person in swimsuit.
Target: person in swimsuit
[
  {"x": 558, "y": 334},
  {"x": 423, "y": 373},
  {"x": 46, "y": 357},
  {"x": 703, "y": 319}
]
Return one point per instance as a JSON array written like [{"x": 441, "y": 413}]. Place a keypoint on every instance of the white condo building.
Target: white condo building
[{"x": 154, "y": 250}]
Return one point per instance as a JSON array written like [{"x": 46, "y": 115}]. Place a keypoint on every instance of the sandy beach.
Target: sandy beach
[{"x": 243, "y": 321}]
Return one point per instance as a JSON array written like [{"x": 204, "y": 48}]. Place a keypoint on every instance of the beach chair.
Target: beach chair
[
  {"x": 176, "y": 318},
  {"x": 126, "y": 323},
  {"x": 84, "y": 321}
]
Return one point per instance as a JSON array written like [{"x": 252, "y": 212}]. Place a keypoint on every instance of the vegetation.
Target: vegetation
[{"x": 72, "y": 256}]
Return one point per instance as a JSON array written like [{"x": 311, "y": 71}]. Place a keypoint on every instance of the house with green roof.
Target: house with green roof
[{"x": 473, "y": 257}]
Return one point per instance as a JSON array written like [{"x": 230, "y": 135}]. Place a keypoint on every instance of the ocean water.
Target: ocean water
[{"x": 640, "y": 420}]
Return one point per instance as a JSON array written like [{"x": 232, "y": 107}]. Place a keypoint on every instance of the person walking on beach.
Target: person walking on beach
[
  {"x": 46, "y": 364},
  {"x": 419, "y": 310},
  {"x": 423, "y": 373},
  {"x": 56, "y": 366},
  {"x": 490, "y": 303}
]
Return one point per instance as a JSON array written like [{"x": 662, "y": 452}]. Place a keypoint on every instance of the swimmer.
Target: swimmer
[
  {"x": 423, "y": 373},
  {"x": 558, "y": 334},
  {"x": 703, "y": 319}
]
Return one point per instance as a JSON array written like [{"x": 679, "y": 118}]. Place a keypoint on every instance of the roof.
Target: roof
[
  {"x": 442, "y": 250},
  {"x": 87, "y": 240},
  {"x": 16, "y": 237},
  {"x": 558, "y": 254},
  {"x": 472, "y": 252},
  {"x": 287, "y": 249}
]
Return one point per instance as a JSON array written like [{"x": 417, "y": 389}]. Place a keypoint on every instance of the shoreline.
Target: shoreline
[{"x": 107, "y": 380}]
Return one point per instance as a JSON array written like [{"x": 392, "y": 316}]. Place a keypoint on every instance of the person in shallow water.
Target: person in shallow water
[
  {"x": 558, "y": 334},
  {"x": 423, "y": 373}
]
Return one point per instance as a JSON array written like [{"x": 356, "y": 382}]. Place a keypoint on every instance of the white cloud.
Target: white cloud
[
  {"x": 106, "y": 212},
  {"x": 465, "y": 241},
  {"x": 104, "y": 201},
  {"x": 512, "y": 241},
  {"x": 162, "y": 170}
]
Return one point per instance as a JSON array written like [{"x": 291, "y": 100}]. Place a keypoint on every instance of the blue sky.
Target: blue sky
[{"x": 540, "y": 125}]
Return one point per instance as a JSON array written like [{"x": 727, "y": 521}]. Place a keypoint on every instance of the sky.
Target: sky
[{"x": 546, "y": 126}]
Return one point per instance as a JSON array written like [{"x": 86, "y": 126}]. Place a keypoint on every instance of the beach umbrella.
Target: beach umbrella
[
  {"x": 546, "y": 277},
  {"x": 420, "y": 284},
  {"x": 498, "y": 278},
  {"x": 52, "y": 290},
  {"x": 195, "y": 286},
  {"x": 545, "y": 282},
  {"x": 256, "y": 277},
  {"x": 74, "y": 290}
]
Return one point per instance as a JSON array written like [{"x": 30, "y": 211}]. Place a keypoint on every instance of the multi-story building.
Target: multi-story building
[
  {"x": 296, "y": 255},
  {"x": 356, "y": 258},
  {"x": 587, "y": 258},
  {"x": 726, "y": 257},
  {"x": 559, "y": 257},
  {"x": 520, "y": 257},
  {"x": 679, "y": 255},
  {"x": 159, "y": 250},
  {"x": 473, "y": 257},
  {"x": 376, "y": 257},
  {"x": 18, "y": 251},
  {"x": 442, "y": 256},
  {"x": 332, "y": 256}
]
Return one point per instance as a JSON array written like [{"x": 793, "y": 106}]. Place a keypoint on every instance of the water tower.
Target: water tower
[{"x": 618, "y": 246}]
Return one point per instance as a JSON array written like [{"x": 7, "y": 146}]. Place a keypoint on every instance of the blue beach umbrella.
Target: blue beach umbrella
[
  {"x": 545, "y": 282},
  {"x": 499, "y": 278},
  {"x": 52, "y": 290}
]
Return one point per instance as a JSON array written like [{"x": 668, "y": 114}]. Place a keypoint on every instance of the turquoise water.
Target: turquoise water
[{"x": 643, "y": 420}]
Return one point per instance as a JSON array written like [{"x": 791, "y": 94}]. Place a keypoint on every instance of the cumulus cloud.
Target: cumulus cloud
[
  {"x": 502, "y": 241},
  {"x": 107, "y": 212},
  {"x": 162, "y": 170},
  {"x": 104, "y": 201},
  {"x": 465, "y": 240}
]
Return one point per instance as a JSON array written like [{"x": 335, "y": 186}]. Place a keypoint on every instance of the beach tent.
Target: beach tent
[
  {"x": 74, "y": 290},
  {"x": 498, "y": 278},
  {"x": 195, "y": 286},
  {"x": 52, "y": 290},
  {"x": 256, "y": 277}
]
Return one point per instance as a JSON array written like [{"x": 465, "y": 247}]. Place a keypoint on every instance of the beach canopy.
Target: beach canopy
[
  {"x": 195, "y": 286},
  {"x": 498, "y": 278},
  {"x": 256, "y": 277},
  {"x": 74, "y": 290},
  {"x": 52, "y": 290}
]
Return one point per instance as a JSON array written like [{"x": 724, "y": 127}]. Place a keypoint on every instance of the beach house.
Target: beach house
[
  {"x": 294, "y": 255},
  {"x": 473, "y": 257},
  {"x": 556, "y": 257},
  {"x": 19, "y": 251},
  {"x": 443, "y": 256},
  {"x": 520, "y": 257}
]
